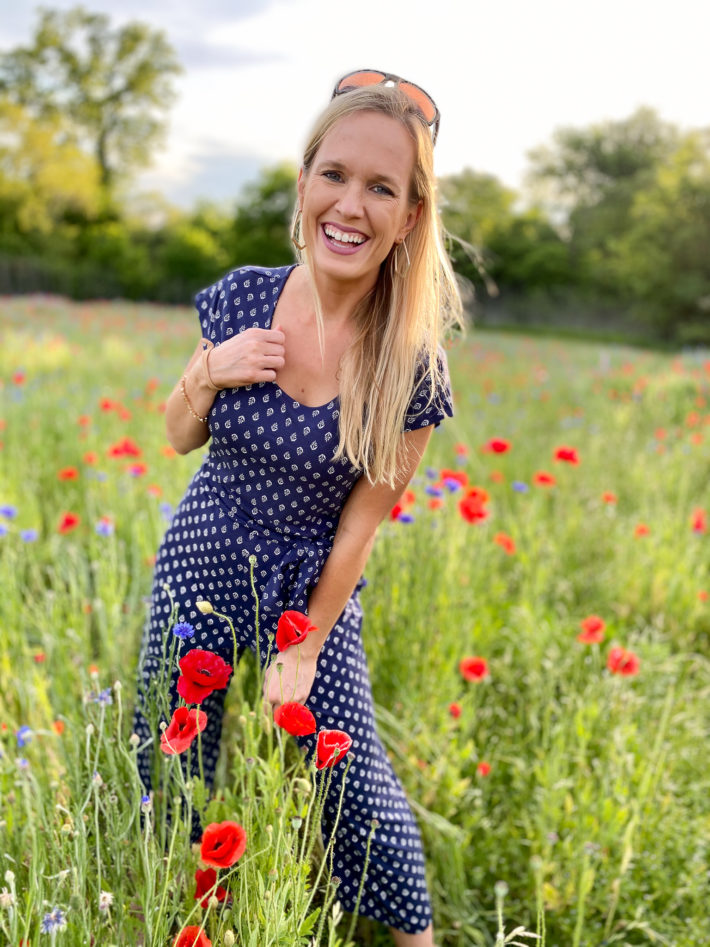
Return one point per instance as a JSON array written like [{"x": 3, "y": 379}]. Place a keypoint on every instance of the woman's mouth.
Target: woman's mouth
[{"x": 342, "y": 241}]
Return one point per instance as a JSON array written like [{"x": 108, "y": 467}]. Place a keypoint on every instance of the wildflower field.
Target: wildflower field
[{"x": 537, "y": 621}]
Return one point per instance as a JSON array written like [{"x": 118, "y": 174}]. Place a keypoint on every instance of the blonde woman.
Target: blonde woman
[{"x": 320, "y": 386}]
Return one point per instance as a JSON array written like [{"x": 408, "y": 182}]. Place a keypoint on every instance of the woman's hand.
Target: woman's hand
[
  {"x": 289, "y": 684},
  {"x": 247, "y": 358}
]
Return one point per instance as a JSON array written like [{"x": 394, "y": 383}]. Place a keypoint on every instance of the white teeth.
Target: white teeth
[{"x": 344, "y": 237}]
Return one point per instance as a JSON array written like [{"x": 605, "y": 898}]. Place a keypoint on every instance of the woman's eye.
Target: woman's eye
[
  {"x": 332, "y": 175},
  {"x": 383, "y": 189}
]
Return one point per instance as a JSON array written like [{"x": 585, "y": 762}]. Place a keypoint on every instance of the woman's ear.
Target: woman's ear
[
  {"x": 300, "y": 187},
  {"x": 412, "y": 217}
]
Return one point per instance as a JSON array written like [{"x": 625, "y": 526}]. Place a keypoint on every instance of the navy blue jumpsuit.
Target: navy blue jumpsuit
[{"x": 269, "y": 487}]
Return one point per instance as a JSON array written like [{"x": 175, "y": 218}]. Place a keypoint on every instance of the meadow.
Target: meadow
[{"x": 537, "y": 621}]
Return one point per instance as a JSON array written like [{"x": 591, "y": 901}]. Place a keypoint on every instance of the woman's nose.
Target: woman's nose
[{"x": 350, "y": 200}]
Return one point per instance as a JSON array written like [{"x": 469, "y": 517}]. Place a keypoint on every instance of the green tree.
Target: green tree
[
  {"x": 109, "y": 85},
  {"x": 45, "y": 180},
  {"x": 262, "y": 223},
  {"x": 663, "y": 253},
  {"x": 587, "y": 180}
]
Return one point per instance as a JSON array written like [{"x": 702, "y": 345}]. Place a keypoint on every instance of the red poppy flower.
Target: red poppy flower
[
  {"x": 168, "y": 451},
  {"x": 496, "y": 445},
  {"x": 497, "y": 476},
  {"x": 68, "y": 522},
  {"x": 461, "y": 450},
  {"x": 396, "y": 510},
  {"x": 90, "y": 457},
  {"x": 137, "y": 470},
  {"x": 295, "y": 719},
  {"x": 293, "y": 627},
  {"x": 84, "y": 420},
  {"x": 182, "y": 730},
  {"x": 58, "y": 727},
  {"x": 435, "y": 503},
  {"x": 19, "y": 378},
  {"x": 192, "y": 936},
  {"x": 455, "y": 710},
  {"x": 641, "y": 530},
  {"x": 106, "y": 405},
  {"x": 699, "y": 521},
  {"x": 223, "y": 844},
  {"x": 544, "y": 479},
  {"x": 567, "y": 454},
  {"x": 201, "y": 673},
  {"x": 609, "y": 497},
  {"x": 39, "y": 657},
  {"x": 331, "y": 747},
  {"x": 505, "y": 542},
  {"x": 483, "y": 768},
  {"x": 703, "y": 595},
  {"x": 409, "y": 497},
  {"x": 126, "y": 447},
  {"x": 621, "y": 661},
  {"x": 459, "y": 476},
  {"x": 472, "y": 507},
  {"x": 155, "y": 490},
  {"x": 592, "y": 630},
  {"x": 473, "y": 668},
  {"x": 68, "y": 473},
  {"x": 206, "y": 880}
]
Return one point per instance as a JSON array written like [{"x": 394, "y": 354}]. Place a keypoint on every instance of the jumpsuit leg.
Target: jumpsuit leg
[{"x": 395, "y": 890}]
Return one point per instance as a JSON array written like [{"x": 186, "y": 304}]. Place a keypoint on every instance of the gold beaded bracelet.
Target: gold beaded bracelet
[{"x": 187, "y": 402}]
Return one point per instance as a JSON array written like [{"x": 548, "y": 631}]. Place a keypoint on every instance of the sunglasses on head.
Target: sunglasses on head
[{"x": 367, "y": 77}]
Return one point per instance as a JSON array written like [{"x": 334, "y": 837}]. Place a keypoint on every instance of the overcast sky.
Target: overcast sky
[{"x": 505, "y": 74}]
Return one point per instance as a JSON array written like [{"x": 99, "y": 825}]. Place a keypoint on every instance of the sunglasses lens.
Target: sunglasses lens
[
  {"x": 420, "y": 99},
  {"x": 357, "y": 80}
]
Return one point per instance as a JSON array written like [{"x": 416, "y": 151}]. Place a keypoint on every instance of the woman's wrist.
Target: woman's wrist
[{"x": 199, "y": 389}]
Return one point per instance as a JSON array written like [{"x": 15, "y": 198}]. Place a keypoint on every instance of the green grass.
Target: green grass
[{"x": 595, "y": 813}]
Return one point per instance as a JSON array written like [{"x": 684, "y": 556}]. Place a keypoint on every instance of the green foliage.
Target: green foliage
[
  {"x": 262, "y": 223},
  {"x": 598, "y": 799}
]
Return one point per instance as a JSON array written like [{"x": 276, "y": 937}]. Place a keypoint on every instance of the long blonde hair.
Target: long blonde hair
[{"x": 400, "y": 323}]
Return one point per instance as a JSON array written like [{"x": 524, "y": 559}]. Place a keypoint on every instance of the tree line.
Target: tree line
[{"x": 611, "y": 228}]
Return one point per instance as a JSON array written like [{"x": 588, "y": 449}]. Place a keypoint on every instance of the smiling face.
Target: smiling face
[{"x": 355, "y": 197}]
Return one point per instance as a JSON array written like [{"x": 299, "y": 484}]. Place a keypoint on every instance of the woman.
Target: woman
[{"x": 320, "y": 394}]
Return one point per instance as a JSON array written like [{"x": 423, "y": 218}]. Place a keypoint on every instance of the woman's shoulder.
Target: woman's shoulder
[{"x": 242, "y": 298}]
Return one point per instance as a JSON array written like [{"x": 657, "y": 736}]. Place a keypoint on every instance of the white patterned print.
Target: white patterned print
[{"x": 269, "y": 488}]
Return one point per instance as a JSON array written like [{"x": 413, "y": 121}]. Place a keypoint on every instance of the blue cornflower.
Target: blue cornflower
[
  {"x": 23, "y": 763},
  {"x": 167, "y": 510},
  {"x": 54, "y": 921},
  {"x": 3, "y": 529},
  {"x": 452, "y": 485},
  {"x": 29, "y": 535},
  {"x": 432, "y": 473},
  {"x": 24, "y": 735},
  {"x": 9, "y": 512},
  {"x": 184, "y": 630},
  {"x": 104, "y": 528},
  {"x": 104, "y": 697},
  {"x": 405, "y": 518},
  {"x": 433, "y": 491},
  {"x": 519, "y": 486}
]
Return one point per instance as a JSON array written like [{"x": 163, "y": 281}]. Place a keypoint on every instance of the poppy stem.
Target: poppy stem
[{"x": 252, "y": 563}]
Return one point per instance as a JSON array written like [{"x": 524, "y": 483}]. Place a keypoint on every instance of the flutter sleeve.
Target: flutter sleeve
[
  {"x": 424, "y": 408},
  {"x": 211, "y": 304}
]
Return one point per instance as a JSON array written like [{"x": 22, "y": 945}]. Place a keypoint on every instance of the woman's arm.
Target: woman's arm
[
  {"x": 362, "y": 513},
  {"x": 185, "y": 432},
  {"x": 249, "y": 357}
]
